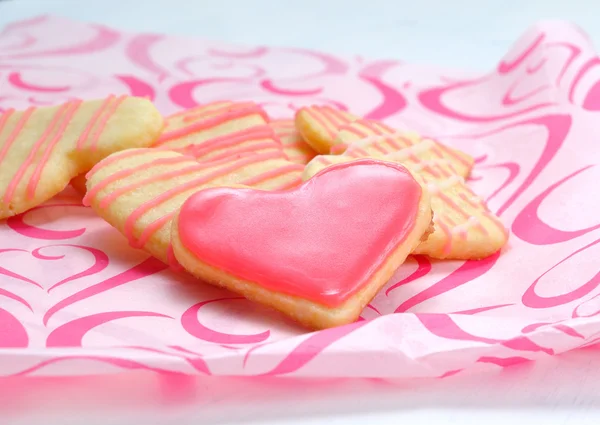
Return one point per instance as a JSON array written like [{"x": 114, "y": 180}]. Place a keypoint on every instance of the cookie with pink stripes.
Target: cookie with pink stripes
[
  {"x": 319, "y": 125},
  {"x": 139, "y": 191},
  {"x": 372, "y": 138},
  {"x": 220, "y": 129},
  {"x": 294, "y": 146},
  {"x": 464, "y": 228},
  {"x": 42, "y": 149}
]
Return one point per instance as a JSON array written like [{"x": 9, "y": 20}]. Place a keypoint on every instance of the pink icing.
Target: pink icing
[
  {"x": 60, "y": 120},
  {"x": 318, "y": 241},
  {"x": 69, "y": 112},
  {"x": 86, "y": 132}
]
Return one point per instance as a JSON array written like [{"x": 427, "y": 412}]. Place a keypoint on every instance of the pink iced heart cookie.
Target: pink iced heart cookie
[{"x": 319, "y": 252}]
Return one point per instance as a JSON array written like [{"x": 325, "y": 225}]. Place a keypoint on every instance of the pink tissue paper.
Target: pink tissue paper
[{"x": 75, "y": 299}]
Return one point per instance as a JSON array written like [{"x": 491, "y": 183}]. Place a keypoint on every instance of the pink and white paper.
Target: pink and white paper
[{"x": 75, "y": 299}]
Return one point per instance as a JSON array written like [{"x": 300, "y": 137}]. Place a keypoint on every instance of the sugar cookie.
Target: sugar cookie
[
  {"x": 294, "y": 146},
  {"x": 138, "y": 191},
  {"x": 42, "y": 149},
  {"x": 219, "y": 130},
  {"x": 319, "y": 125},
  {"x": 464, "y": 228},
  {"x": 370, "y": 138},
  {"x": 79, "y": 183},
  {"x": 318, "y": 253}
]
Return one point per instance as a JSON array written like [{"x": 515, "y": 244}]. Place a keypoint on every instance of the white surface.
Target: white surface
[
  {"x": 563, "y": 390},
  {"x": 474, "y": 33}
]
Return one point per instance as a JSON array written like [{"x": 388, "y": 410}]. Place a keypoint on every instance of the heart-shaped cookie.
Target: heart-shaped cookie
[
  {"x": 318, "y": 252},
  {"x": 42, "y": 149}
]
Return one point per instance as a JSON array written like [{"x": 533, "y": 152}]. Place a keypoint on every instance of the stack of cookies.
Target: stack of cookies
[{"x": 310, "y": 215}]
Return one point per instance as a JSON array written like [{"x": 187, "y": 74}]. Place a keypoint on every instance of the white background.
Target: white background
[{"x": 471, "y": 34}]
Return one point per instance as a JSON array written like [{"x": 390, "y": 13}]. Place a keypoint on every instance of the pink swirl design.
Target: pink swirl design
[
  {"x": 443, "y": 326},
  {"x": 393, "y": 101},
  {"x": 557, "y": 127},
  {"x": 8, "y": 273},
  {"x": 503, "y": 361},
  {"x": 193, "y": 326},
  {"x": 582, "y": 71},
  {"x": 181, "y": 94},
  {"x": 311, "y": 347},
  {"x": 424, "y": 267},
  {"x": 137, "y": 87},
  {"x": 12, "y": 333},
  {"x": 482, "y": 309},
  {"x": 100, "y": 262},
  {"x": 509, "y": 99},
  {"x": 432, "y": 100},
  {"x": 373, "y": 308},
  {"x": 574, "y": 51},
  {"x": 513, "y": 171},
  {"x": 450, "y": 373},
  {"x": 535, "y": 68},
  {"x": 533, "y": 300},
  {"x": 504, "y": 67},
  {"x": 529, "y": 227},
  {"x": 18, "y": 224},
  {"x": 592, "y": 99},
  {"x": 103, "y": 39},
  {"x": 269, "y": 86},
  {"x": 16, "y": 80},
  {"x": 71, "y": 333},
  {"x": 125, "y": 364},
  {"x": 576, "y": 312},
  {"x": 534, "y": 326},
  {"x": 138, "y": 52},
  {"x": 8, "y": 294},
  {"x": 480, "y": 159},
  {"x": 194, "y": 359},
  {"x": 469, "y": 271},
  {"x": 146, "y": 268},
  {"x": 567, "y": 330}
]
